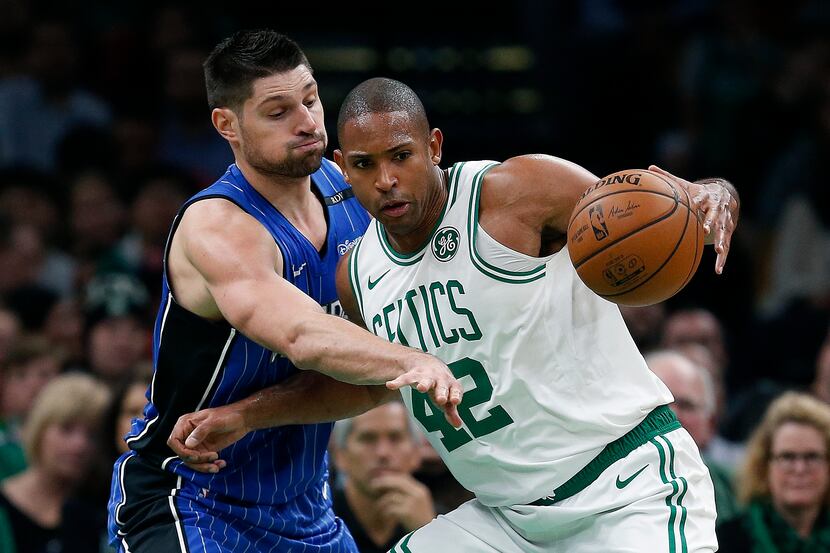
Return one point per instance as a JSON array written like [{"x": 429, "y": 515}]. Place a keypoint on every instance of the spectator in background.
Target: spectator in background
[
  {"x": 31, "y": 364},
  {"x": 9, "y": 331},
  {"x": 785, "y": 482},
  {"x": 59, "y": 438},
  {"x": 117, "y": 336},
  {"x": 159, "y": 196},
  {"x": 821, "y": 383},
  {"x": 30, "y": 201},
  {"x": 694, "y": 404},
  {"x": 64, "y": 328},
  {"x": 687, "y": 329},
  {"x": 698, "y": 326},
  {"x": 96, "y": 218},
  {"x": 127, "y": 403},
  {"x": 645, "y": 324},
  {"x": 380, "y": 501},
  {"x": 39, "y": 108}
]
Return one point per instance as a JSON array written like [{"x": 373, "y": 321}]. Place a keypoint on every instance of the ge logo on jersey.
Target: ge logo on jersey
[{"x": 445, "y": 243}]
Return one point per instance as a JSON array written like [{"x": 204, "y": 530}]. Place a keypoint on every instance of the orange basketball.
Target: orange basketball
[{"x": 633, "y": 238}]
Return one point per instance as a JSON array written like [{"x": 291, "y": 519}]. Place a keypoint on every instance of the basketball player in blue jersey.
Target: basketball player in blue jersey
[{"x": 249, "y": 299}]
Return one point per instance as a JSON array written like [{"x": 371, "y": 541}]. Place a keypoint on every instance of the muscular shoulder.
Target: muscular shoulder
[
  {"x": 217, "y": 223},
  {"x": 217, "y": 242},
  {"x": 538, "y": 190}
]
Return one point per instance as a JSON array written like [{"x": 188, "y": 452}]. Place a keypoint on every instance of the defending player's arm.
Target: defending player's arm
[
  {"x": 236, "y": 262},
  {"x": 539, "y": 192},
  {"x": 305, "y": 398}
]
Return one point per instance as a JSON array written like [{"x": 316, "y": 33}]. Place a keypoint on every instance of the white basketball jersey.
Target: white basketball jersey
[{"x": 550, "y": 372}]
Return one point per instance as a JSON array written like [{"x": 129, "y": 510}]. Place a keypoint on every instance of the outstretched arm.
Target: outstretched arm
[
  {"x": 531, "y": 196},
  {"x": 305, "y": 398}
]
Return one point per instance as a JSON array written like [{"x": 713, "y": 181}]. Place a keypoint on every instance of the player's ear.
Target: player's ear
[
  {"x": 436, "y": 140},
  {"x": 338, "y": 159},
  {"x": 225, "y": 122}
]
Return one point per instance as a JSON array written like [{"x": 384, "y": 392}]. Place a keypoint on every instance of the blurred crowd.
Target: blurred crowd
[{"x": 105, "y": 131}]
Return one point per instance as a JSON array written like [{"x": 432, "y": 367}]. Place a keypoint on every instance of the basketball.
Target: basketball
[{"x": 633, "y": 238}]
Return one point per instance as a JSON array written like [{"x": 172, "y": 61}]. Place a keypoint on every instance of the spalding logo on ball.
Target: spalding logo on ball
[{"x": 634, "y": 239}]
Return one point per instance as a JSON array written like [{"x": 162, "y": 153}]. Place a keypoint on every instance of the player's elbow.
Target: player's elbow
[{"x": 299, "y": 342}]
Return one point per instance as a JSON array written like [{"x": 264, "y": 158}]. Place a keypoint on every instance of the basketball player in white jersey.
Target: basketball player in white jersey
[{"x": 567, "y": 441}]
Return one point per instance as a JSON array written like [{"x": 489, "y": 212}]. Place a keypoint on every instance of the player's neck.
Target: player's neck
[{"x": 415, "y": 239}]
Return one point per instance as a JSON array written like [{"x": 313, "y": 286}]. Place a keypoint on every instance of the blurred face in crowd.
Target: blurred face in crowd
[
  {"x": 97, "y": 214},
  {"x": 64, "y": 327},
  {"x": 698, "y": 327},
  {"x": 684, "y": 381},
  {"x": 821, "y": 384},
  {"x": 67, "y": 449},
  {"x": 380, "y": 443},
  {"x": 154, "y": 207},
  {"x": 798, "y": 470},
  {"x": 132, "y": 407},
  {"x": 116, "y": 344},
  {"x": 279, "y": 129},
  {"x": 22, "y": 383},
  {"x": 9, "y": 331}
]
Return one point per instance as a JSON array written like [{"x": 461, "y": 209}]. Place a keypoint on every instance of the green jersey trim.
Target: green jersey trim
[
  {"x": 497, "y": 273},
  {"x": 661, "y": 420},
  {"x": 354, "y": 280},
  {"x": 406, "y": 259}
]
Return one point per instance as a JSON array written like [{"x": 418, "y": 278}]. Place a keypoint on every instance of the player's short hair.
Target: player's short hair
[
  {"x": 69, "y": 398},
  {"x": 239, "y": 60},
  {"x": 381, "y": 95}
]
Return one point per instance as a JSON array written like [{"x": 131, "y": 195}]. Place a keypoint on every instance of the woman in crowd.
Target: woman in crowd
[
  {"x": 60, "y": 442},
  {"x": 784, "y": 482}
]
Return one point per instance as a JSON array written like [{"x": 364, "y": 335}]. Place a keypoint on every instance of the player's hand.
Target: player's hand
[
  {"x": 405, "y": 499},
  {"x": 718, "y": 207},
  {"x": 429, "y": 375},
  {"x": 198, "y": 437}
]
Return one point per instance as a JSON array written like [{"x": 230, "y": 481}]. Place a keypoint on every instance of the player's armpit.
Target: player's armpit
[{"x": 345, "y": 292}]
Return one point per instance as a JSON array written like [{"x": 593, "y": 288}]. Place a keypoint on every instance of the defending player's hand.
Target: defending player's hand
[
  {"x": 719, "y": 206},
  {"x": 198, "y": 437},
  {"x": 429, "y": 375},
  {"x": 405, "y": 499}
]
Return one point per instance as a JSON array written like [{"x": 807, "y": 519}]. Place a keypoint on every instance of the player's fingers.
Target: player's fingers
[
  {"x": 212, "y": 468},
  {"x": 406, "y": 379},
  {"x": 722, "y": 247},
  {"x": 452, "y": 416},
  {"x": 663, "y": 172},
  {"x": 425, "y": 384},
  {"x": 441, "y": 393},
  {"x": 198, "y": 435},
  {"x": 197, "y": 457},
  {"x": 456, "y": 392}
]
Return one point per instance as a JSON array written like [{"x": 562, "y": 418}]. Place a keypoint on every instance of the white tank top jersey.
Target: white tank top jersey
[{"x": 550, "y": 372}]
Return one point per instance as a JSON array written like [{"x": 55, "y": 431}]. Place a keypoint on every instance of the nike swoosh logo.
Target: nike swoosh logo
[
  {"x": 623, "y": 483},
  {"x": 375, "y": 283}
]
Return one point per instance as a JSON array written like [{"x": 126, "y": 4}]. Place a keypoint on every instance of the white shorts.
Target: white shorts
[{"x": 657, "y": 499}]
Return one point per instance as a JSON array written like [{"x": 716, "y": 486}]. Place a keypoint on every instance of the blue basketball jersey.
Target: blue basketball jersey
[{"x": 200, "y": 364}]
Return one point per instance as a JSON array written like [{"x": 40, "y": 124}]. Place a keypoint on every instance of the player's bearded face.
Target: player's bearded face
[{"x": 291, "y": 159}]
